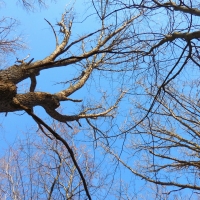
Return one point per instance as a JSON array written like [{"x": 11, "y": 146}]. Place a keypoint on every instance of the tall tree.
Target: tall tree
[
  {"x": 142, "y": 55},
  {"x": 161, "y": 138},
  {"x": 38, "y": 167},
  {"x": 96, "y": 51}
]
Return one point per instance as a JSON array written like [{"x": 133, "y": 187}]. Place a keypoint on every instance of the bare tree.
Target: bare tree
[
  {"x": 101, "y": 50},
  {"x": 38, "y": 167},
  {"x": 9, "y": 44},
  {"x": 161, "y": 134},
  {"x": 30, "y": 5},
  {"x": 148, "y": 53}
]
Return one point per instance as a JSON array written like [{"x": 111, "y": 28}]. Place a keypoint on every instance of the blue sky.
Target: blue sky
[{"x": 40, "y": 42}]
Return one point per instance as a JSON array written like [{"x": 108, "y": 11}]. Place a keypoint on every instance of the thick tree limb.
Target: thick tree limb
[{"x": 185, "y": 9}]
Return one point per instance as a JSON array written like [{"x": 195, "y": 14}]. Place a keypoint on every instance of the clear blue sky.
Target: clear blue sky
[{"x": 40, "y": 42}]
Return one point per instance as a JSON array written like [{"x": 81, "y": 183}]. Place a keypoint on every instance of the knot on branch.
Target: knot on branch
[
  {"x": 50, "y": 101},
  {"x": 7, "y": 90}
]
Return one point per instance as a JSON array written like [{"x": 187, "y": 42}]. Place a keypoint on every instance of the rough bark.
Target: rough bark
[{"x": 106, "y": 44}]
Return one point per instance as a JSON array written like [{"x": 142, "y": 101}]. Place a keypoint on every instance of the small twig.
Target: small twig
[
  {"x": 69, "y": 125},
  {"x": 22, "y": 61},
  {"x": 30, "y": 61},
  {"x": 41, "y": 128},
  {"x": 78, "y": 123},
  {"x": 53, "y": 32},
  {"x": 74, "y": 100}
]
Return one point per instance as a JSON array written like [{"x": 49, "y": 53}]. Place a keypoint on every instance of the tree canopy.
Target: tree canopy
[{"x": 124, "y": 122}]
